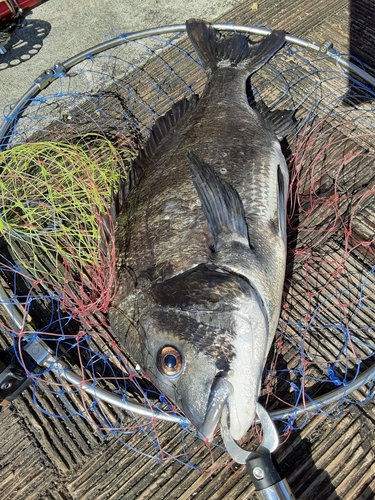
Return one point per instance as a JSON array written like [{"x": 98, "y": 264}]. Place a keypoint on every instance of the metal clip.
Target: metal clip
[{"x": 325, "y": 47}]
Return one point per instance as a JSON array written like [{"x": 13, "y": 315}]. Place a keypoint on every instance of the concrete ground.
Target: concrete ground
[{"x": 55, "y": 31}]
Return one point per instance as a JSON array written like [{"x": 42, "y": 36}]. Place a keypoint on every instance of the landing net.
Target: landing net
[{"x": 65, "y": 154}]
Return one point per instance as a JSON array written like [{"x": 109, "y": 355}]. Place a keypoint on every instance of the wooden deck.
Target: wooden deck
[{"x": 45, "y": 458}]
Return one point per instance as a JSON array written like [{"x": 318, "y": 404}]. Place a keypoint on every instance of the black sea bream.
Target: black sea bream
[{"x": 201, "y": 240}]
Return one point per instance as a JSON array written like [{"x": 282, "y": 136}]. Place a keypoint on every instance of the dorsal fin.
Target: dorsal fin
[{"x": 163, "y": 125}]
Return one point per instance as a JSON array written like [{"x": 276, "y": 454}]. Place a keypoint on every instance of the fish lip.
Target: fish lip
[{"x": 221, "y": 390}]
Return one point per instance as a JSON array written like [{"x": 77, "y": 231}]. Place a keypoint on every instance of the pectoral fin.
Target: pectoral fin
[
  {"x": 220, "y": 201},
  {"x": 281, "y": 204}
]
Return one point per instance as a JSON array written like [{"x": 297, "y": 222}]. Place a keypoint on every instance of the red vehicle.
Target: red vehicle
[
  {"x": 10, "y": 13},
  {"x": 11, "y": 9}
]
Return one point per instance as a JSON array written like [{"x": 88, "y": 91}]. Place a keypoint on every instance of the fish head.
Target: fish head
[
  {"x": 180, "y": 366},
  {"x": 238, "y": 387},
  {"x": 209, "y": 351}
]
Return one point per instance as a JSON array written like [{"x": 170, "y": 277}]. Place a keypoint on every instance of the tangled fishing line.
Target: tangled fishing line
[{"x": 62, "y": 158}]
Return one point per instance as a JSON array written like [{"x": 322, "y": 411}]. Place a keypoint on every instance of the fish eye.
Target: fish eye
[{"x": 169, "y": 360}]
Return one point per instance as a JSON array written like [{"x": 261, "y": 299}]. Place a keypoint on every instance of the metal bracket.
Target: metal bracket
[{"x": 259, "y": 464}]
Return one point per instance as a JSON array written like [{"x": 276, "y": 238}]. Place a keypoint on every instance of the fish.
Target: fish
[{"x": 200, "y": 238}]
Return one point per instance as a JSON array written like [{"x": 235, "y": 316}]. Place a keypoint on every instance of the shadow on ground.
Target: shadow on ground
[{"x": 25, "y": 42}]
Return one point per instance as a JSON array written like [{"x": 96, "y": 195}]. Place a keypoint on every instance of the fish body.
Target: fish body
[{"x": 201, "y": 240}]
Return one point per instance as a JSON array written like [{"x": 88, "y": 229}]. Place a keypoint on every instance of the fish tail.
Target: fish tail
[{"x": 213, "y": 49}]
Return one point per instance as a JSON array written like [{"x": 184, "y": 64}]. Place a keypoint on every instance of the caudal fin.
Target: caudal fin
[{"x": 212, "y": 48}]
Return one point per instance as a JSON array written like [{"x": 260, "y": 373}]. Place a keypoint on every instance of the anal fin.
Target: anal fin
[{"x": 281, "y": 120}]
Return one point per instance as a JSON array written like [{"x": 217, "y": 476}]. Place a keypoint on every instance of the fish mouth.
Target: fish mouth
[
  {"x": 221, "y": 391},
  {"x": 240, "y": 413}
]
